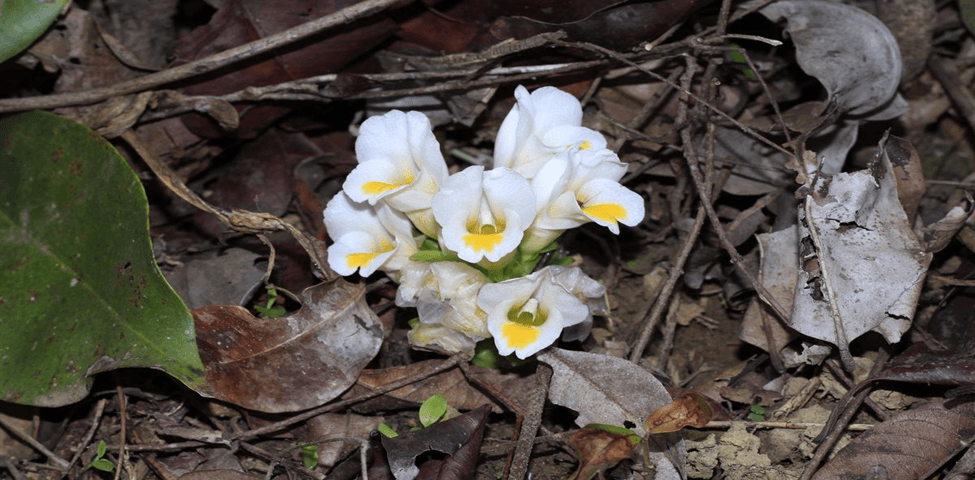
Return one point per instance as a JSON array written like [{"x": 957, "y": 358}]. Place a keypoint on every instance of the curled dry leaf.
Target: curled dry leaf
[
  {"x": 290, "y": 363},
  {"x": 613, "y": 391},
  {"x": 911, "y": 445},
  {"x": 458, "y": 437},
  {"x": 851, "y": 52},
  {"x": 857, "y": 60},
  {"x": 690, "y": 410},
  {"x": 599, "y": 447},
  {"x": 862, "y": 267},
  {"x": 779, "y": 272}
]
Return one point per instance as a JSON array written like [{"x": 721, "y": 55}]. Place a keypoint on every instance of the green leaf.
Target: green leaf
[
  {"x": 756, "y": 413},
  {"x": 271, "y": 312},
  {"x": 429, "y": 244},
  {"x": 486, "y": 355},
  {"x": 309, "y": 456},
  {"x": 633, "y": 437},
  {"x": 23, "y": 21},
  {"x": 387, "y": 431},
  {"x": 103, "y": 464},
  {"x": 433, "y": 409},
  {"x": 102, "y": 449},
  {"x": 738, "y": 57},
  {"x": 432, "y": 256},
  {"x": 80, "y": 292}
]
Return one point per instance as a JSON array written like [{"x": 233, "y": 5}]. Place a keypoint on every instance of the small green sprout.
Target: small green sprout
[
  {"x": 432, "y": 410},
  {"x": 271, "y": 310},
  {"x": 738, "y": 57},
  {"x": 756, "y": 413},
  {"x": 309, "y": 456},
  {"x": 387, "y": 431},
  {"x": 100, "y": 462}
]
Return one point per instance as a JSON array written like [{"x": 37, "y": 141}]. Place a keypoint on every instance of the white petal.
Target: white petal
[
  {"x": 573, "y": 136},
  {"x": 410, "y": 156},
  {"x": 554, "y": 297},
  {"x": 505, "y": 190},
  {"x": 519, "y": 144},
  {"x": 607, "y": 202},
  {"x": 459, "y": 192},
  {"x": 470, "y": 199},
  {"x": 511, "y": 134},
  {"x": 371, "y": 181},
  {"x": 342, "y": 216},
  {"x": 551, "y": 180},
  {"x": 359, "y": 251}
]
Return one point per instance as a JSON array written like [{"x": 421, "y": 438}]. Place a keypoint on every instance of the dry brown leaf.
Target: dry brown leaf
[
  {"x": 690, "y": 410},
  {"x": 290, "y": 363},
  {"x": 910, "y": 445},
  {"x": 451, "y": 384}
]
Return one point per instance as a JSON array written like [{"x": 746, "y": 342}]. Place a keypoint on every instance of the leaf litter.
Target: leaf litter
[{"x": 852, "y": 240}]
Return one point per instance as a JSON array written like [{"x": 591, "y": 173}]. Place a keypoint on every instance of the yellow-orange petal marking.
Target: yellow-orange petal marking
[
  {"x": 375, "y": 188},
  {"x": 519, "y": 336},
  {"x": 608, "y": 212},
  {"x": 356, "y": 260},
  {"x": 482, "y": 242}
]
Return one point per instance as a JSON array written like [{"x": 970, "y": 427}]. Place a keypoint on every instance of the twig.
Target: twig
[
  {"x": 273, "y": 427},
  {"x": 686, "y": 91},
  {"x": 11, "y": 468},
  {"x": 833, "y": 430},
  {"x": 61, "y": 463},
  {"x": 946, "y": 73},
  {"x": 670, "y": 328},
  {"x": 677, "y": 269},
  {"x": 856, "y": 427},
  {"x": 239, "y": 220},
  {"x": 530, "y": 423},
  {"x": 97, "y": 417},
  {"x": 204, "y": 65},
  {"x": 123, "y": 455},
  {"x": 840, "y": 375}
]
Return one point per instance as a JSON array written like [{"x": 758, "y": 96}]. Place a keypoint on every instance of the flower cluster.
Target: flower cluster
[{"x": 463, "y": 246}]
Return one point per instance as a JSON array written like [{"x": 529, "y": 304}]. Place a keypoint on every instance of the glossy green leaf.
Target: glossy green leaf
[
  {"x": 80, "y": 292},
  {"x": 23, "y": 21}
]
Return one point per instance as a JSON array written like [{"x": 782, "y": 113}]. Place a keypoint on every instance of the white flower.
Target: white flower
[
  {"x": 528, "y": 314},
  {"x": 587, "y": 290},
  {"x": 366, "y": 238},
  {"x": 445, "y": 296},
  {"x": 578, "y": 186},
  {"x": 399, "y": 162},
  {"x": 484, "y": 215},
  {"x": 539, "y": 126}
]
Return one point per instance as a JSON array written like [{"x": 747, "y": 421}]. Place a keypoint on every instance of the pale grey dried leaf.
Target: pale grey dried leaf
[
  {"x": 862, "y": 268},
  {"x": 779, "y": 271},
  {"x": 758, "y": 168},
  {"x": 851, "y": 52},
  {"x": 613, "y": 391},
  {"x": 938, "y": 234},
  {"x": 229, "y": 279}
]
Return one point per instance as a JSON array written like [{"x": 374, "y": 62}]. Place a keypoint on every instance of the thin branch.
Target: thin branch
[
  {"x": 61, "y": 463},
  {"x": 530, "y": 422},
  {"x": 204, "y": 65},
  {"x": 329, "y": 407}
]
